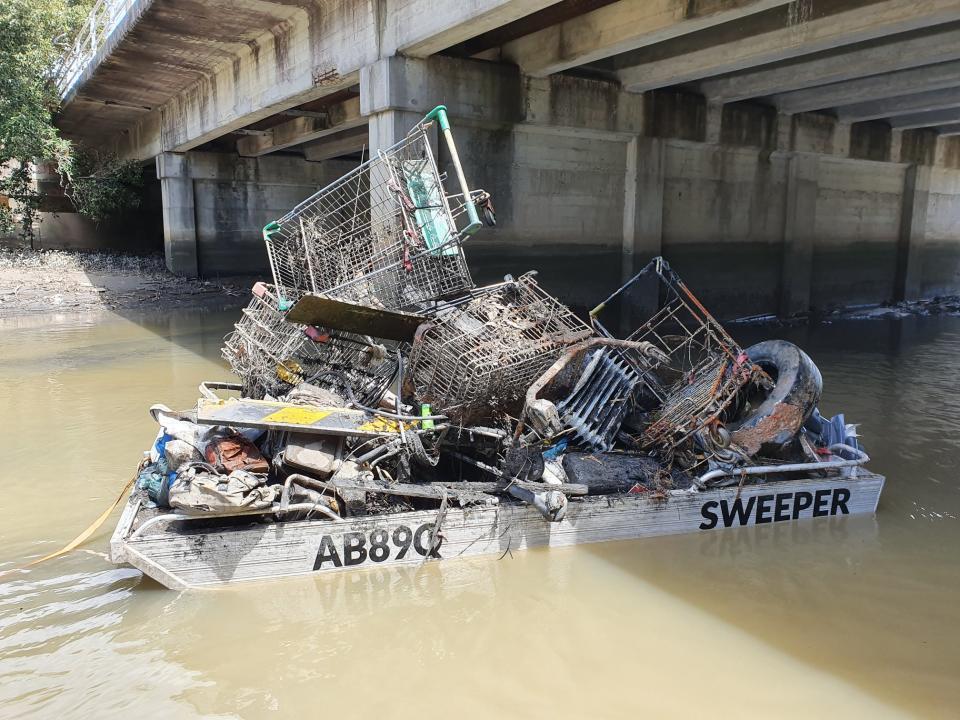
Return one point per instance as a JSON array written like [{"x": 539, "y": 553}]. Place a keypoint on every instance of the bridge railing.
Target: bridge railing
[{"x": 102, "y": 20}]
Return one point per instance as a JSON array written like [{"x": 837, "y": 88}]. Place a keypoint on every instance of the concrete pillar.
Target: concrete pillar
[
  {"x": 798, "y": 233},
  {"x": 841, "y": 139},
  {"x": 391, "y": 126},
  {"x": 179, "y": 214},
  {"x": 896, "y": 144},
  {"x": 941, "y": 151},
  {"x": 714, "y": 123},
  {"x": 642, "y": 222},
  {"x": 913, "y": 221},
  {"x": 785, "y": 135}
]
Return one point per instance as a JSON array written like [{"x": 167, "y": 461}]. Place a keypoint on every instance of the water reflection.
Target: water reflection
[{"x": 859, "y": 615}]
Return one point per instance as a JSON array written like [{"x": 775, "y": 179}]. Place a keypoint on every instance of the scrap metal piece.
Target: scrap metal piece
[
  {"x": 350, "y": 317},
  {"x": 608, "y": 378},
  {"x": 599, "y": 402}
]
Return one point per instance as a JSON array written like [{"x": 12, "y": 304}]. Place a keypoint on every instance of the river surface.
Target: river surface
[{"x": 827, "y": 618}]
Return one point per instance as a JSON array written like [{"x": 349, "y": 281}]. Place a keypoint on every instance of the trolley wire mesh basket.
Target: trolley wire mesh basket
[
  {"x": 480, "y": 355},
  {"x": 707, "y": 369},
  {"x": 385, "y": 234},
  {"x": 271, "y": 355}
]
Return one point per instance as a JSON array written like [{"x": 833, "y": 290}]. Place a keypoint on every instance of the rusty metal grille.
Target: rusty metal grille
[{"x": 482, "y": 354}]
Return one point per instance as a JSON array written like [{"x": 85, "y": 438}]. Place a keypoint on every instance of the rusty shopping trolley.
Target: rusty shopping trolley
[
  {"x": 271, "y": 355},
  {"x": 387, "y": 234},
  {"x": 480, "y": 354},
  {"x": 707, "y": 369}
]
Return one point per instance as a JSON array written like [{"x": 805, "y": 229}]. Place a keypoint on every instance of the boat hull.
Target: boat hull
[{"x": 180, "y": 557}]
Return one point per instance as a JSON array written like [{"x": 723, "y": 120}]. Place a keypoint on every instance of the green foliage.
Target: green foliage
[
  {"x": 100, "y": 184},
  {"x": 34, "y": 35}
]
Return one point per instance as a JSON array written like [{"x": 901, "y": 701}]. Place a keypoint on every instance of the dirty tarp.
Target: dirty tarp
[{"x": 199, "y": 492}]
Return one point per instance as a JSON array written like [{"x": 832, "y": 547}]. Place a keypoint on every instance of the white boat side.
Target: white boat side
[{"x": 183, "y": 555}]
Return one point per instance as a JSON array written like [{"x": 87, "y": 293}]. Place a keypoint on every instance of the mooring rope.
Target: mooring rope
[{"x": 85, "y": 535}]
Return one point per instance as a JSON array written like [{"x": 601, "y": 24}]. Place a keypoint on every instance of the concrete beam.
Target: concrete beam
[
  {"x": 621, "y": 27},
  {"x": 825, "y": 32},
  {"x": 901, "y": 105},
  {"x": 876, "y": 87},
  {"x": 318, "y": 51},
  {"x": 496, "y": 95},
  {"x": 342, "y": 116},
  {"x": 948, "y": 130},
  {"x": 909, "y": 51},
  {"x": 420, "y": 28},
  {"x": 925, "y": 120},
  {"x": 470, "y": 89},
  {"x": 343, "y": 143}
]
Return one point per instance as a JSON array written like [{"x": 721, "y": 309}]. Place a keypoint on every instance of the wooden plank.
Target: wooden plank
[
  {"x": 360, "y": 319},
  {"x": 266, "y": 551}
]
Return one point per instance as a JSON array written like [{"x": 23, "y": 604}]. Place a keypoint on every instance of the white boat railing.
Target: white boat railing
[
  {"x": 860, "y": 458},
  {"x": 103, "y": 19}
]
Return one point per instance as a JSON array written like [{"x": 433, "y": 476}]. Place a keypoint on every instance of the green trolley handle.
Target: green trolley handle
[{"x": 439, "y": 113}]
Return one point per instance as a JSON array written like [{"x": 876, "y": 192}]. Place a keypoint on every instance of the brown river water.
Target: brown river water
[{"x": 828, "y": 617}]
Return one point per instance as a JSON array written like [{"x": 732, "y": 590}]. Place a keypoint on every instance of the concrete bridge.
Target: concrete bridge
[{"x": 781, "y": 154}]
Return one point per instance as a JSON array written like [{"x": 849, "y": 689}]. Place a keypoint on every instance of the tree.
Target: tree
[{"x": 34, "y": 36}]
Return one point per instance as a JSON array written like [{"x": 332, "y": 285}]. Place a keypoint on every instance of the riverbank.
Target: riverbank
[{"x": 52, "y": 281}]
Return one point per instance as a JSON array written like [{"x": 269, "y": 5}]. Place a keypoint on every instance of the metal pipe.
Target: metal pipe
[
  {"x": 207, "y": 388},
  {"x": 862, "y": 459},
  {"x": 177, "y": 517}
]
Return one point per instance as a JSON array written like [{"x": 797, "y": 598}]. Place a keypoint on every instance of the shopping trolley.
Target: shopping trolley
[
  {"x": 271, "y": 355},
  {"x": 707, "y": 369},
  {"x": 479, "y": 355},
  {"x": 387, "y": 234}
]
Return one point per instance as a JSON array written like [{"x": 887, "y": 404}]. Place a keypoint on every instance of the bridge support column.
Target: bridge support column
[
  {"x": 179, "y": 215},
  {"x": 913, "y": 220},
  {"x": 796, "y": 271}
]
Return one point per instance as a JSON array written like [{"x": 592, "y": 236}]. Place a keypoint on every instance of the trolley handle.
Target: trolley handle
[{"x": 439, "y": 113}]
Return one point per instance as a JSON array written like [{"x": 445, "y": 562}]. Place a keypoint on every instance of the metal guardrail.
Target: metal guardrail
[{"x": 103, "y": 19}]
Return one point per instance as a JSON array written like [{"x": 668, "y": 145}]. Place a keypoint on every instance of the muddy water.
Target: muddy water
[{"x": 834, "y": 617}]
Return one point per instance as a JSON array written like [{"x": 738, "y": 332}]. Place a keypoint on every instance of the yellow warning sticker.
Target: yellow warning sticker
[
  {"x": 297, "y": 416},
  {"x": 382, "y": 425}
]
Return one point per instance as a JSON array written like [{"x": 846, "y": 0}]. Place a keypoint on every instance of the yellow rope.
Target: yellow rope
[{"x": 82, "y": 537}]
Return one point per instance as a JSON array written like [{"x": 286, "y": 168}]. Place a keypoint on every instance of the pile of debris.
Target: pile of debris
[{"x": 376, "y": 378}]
